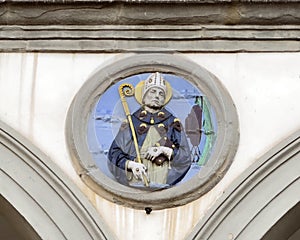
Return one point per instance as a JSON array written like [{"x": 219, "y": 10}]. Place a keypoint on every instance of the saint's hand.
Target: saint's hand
[
  {"x": 138, "y": 169},
  {"x": 154, "y": 152}
]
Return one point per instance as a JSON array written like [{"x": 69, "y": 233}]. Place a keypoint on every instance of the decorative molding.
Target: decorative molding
[
  {"x": 258, "y": 199},
  {"x": 119, "y": 26},
  {"x": 29, "y": 180},
  {"x": 160, "y": 38}
]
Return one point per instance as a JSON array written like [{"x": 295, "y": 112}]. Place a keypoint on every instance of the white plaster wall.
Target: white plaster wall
[{"x": 36, "y": 90}]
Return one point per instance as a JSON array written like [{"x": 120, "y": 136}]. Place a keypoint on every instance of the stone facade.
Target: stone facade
[{"x": 49, "y": 50}]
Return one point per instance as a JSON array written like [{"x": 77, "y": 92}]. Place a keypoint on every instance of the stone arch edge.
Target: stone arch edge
[
  {"x": 282, "y": 160},
  {"x": 43, "y": 186}
]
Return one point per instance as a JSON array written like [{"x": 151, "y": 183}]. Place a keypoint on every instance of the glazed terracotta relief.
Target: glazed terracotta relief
[{"x": 152, "y": 130}]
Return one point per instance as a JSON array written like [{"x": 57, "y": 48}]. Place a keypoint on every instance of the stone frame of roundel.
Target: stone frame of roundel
[{"x": 131, "y": 64}]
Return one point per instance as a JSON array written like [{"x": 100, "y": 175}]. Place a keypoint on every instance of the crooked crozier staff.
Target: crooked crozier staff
[
  {"x": 162, "y": 144},
  {"x": 138, "y": 169}
]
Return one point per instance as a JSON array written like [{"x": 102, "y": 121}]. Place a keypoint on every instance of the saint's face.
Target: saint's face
[{"x": 154, "y": 98}]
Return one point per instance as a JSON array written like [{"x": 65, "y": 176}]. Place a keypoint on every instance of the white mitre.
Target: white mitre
[{"x": 155, "y": 80}]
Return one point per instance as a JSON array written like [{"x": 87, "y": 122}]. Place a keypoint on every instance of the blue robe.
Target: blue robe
[{"x": 171, "y": 135}]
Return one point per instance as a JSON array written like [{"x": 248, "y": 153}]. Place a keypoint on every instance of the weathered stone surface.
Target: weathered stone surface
[
  {"x": 119, "y": 26},
  {"x": 120, "y": 13}
]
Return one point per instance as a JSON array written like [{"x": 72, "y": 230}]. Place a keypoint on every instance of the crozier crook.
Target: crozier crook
[{"x": 127, "y": 90}]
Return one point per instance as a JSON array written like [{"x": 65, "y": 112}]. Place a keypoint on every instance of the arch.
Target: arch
[
  {"x": 13, "y": 225},
  {"x": 39, "y": 191},
  {"x": 262, "y": 196},
  {"x": 288, "y": 227}
]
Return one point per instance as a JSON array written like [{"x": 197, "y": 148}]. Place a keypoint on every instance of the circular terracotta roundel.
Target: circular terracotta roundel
[{"x": 152, "y": 131}]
